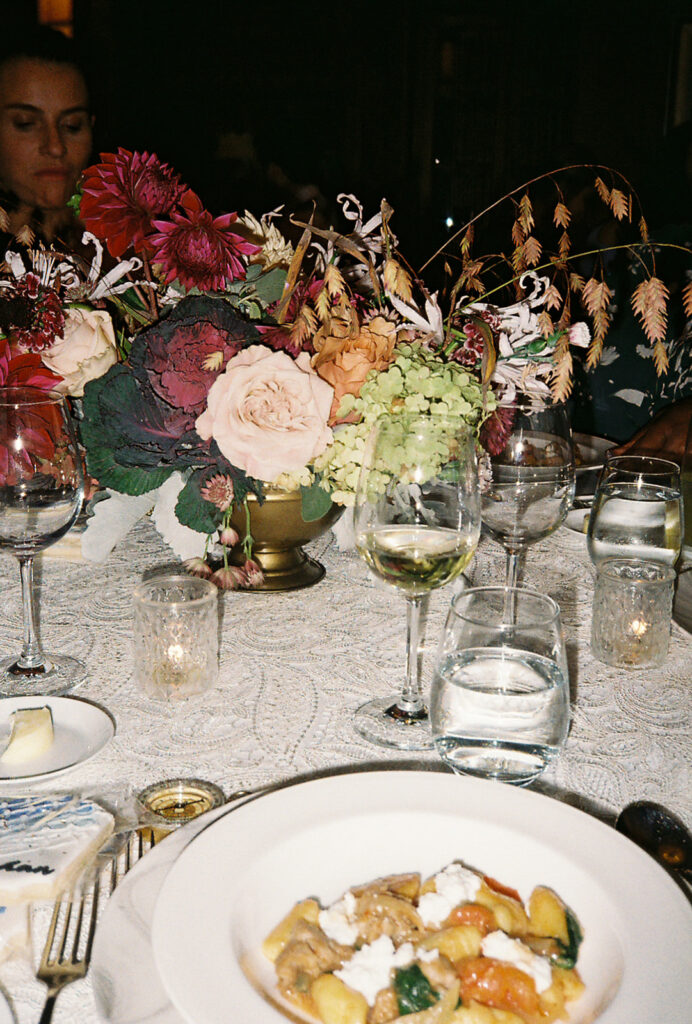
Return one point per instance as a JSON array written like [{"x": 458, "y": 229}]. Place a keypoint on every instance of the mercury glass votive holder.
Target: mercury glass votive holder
[
  {"x": 632, "y": 607},
  {"x": 176, "y": 636}
]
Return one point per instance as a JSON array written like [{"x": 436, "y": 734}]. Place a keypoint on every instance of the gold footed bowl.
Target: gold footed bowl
[{"x": 278, "y": 531}]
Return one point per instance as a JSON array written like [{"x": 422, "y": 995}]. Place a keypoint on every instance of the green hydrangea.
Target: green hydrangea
[{"x": 417, "y": 381}]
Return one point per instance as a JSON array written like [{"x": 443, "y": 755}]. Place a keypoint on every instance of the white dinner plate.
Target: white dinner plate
[
  {"x": 80, "y": 730},
  {"x": 242, "y": 874},
  {"x": 590, "y": 451}
]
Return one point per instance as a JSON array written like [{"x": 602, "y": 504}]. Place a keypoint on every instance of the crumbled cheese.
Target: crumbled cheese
[
  {"x": 500, "y": 946},
  {"x": 454, "y": 884},
  {"x": 426, "y": 956},
  {"x": 368, "y": 971},
  {"x": 337, "y": 920}
]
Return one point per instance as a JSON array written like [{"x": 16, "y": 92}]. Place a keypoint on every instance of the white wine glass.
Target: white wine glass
[
  {"x": 637, "y": 511},
  {"x": 41, "y": 493},
  {"x": 417, "y": 523},
  {"x": 532, "y": 479}
]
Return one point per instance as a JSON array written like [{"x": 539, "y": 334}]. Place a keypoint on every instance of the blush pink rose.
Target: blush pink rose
[{"x": 268, "y": 412}]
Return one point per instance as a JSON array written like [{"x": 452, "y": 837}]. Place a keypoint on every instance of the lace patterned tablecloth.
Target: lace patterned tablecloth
[{"x": 294, "y": 667}]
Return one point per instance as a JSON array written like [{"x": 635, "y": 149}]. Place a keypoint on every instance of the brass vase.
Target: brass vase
[{"x": 278, "y": 531}]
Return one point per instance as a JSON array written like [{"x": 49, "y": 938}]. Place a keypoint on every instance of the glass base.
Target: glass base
[
  {"x": 58, "y": 674},
  {"x": 381, "y": 722},
  {"x": 501, "y": 761}
]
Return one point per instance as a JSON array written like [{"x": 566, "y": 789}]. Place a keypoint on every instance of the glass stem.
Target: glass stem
[
  {"x": 32, "y": 655},
  {"x": 411, "y": 700},
  {"x": 512, "y": 573},
  {"x": 513, "y": 568}
]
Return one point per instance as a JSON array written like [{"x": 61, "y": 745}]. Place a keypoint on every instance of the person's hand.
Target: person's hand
[{"x": 664, "y": 436}]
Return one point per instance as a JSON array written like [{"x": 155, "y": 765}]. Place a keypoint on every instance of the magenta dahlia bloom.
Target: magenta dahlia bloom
[
  {"x": 198, "y": 249},
  {"x": 122, "y": 195}
]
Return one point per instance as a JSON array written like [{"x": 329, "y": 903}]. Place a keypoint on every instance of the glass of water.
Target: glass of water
[
  {"x": 637, "y": 511},
  {"x": 499, "y": 703}
]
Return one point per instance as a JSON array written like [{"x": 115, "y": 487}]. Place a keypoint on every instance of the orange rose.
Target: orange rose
[{"x": 345, "y": 358}]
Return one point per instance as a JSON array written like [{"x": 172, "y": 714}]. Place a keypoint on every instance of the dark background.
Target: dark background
[{"x": 439, "y": 106}]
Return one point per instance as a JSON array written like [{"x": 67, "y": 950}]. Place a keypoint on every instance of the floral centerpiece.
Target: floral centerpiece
[{"x": 213, "y": 360}]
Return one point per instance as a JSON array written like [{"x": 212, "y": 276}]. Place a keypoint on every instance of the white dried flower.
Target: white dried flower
[{"x": 276, "y": 250}]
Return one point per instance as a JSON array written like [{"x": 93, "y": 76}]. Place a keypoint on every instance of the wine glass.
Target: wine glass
[
  {"x": 41, "y": 492},
  {"x": 499, "y": 702},
  {"x": 531, "y": 478},
  {"x": 417, "y": 523},
  {"x": 637, "y": 511}
]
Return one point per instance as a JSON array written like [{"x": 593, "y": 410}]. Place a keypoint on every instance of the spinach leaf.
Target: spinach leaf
[
  {"x": 413, "y": 990},
  {"x": 570, "y": 951}
]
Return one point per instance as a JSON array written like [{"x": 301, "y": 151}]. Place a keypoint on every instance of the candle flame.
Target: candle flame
[
  {"x": 638, "y": 627},
  {"x": 176, "y": 653}
]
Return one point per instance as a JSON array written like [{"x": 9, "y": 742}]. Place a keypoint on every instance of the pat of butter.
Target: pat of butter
[{"x": 31, "y": 736}]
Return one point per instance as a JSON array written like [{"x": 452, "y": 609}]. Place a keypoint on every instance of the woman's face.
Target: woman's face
[{"x": 45, "y": 131}]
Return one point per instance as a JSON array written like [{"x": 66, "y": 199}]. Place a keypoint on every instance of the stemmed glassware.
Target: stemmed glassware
[
  {"x": 41, "y": 493},
  {"x": 532, "y": 478},
  {"x": 417, "y": 523},
  {"x": 637, "y": 511}
]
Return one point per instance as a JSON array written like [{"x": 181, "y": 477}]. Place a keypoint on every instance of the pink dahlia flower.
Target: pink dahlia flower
[
  {"x": 123, "y": 194},
  {"x": 198, "y": 249}
]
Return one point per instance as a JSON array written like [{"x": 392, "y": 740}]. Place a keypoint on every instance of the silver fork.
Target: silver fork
[{"x": 67, "y": 952}]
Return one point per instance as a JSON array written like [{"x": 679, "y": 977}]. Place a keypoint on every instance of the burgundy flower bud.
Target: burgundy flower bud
[
  {"x": 253, "y": 572},
  {"x": 197, "y": 567},
  {"x": 229, "y": 537},
  {"x": 230, "y": 577}
]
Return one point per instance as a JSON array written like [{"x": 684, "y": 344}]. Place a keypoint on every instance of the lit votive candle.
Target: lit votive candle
[
  {"x": 175, "y": 636},
  {"x": 632, "y": 608}
]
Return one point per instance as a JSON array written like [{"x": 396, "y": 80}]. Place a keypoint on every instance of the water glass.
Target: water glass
[
  {"x": 499, "y": 703},
  {"x": 637, "y": 511},
  {"x": 632, "y": 607},
  {"x": 687, "y": 495},
  {"x": 176, "y": 636}
]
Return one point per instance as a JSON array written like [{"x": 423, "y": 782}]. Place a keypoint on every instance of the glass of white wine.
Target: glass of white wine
[
  {"x": 417, "y": 523},
  {"x": 637, "y": 511}
]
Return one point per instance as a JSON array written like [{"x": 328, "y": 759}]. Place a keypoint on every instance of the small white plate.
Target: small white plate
[
  {"x": 80, "y": 730},
  {"x": 242, "y": 874},
  {"x": 577, "y": 520}
]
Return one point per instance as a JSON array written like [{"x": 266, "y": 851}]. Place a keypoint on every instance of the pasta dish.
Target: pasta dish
[{"x": 457, "y": 948}]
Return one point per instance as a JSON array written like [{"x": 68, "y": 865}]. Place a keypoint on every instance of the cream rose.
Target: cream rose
[
  {"x": 85, "y": 351},
  {"x": 268, "y": 412}
]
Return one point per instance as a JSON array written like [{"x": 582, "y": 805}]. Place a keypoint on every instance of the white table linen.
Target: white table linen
[{"x": 293, "y": 668}]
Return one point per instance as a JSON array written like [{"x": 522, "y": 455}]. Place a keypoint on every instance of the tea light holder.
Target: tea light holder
[
  {"x": 174, "y": 802},
  {"x": 632, "y": 607},
  {"x": 176, "y": 636}
]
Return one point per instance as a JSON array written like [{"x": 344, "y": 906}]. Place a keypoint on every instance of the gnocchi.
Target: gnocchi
[{"x": 455, "y": 948}]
